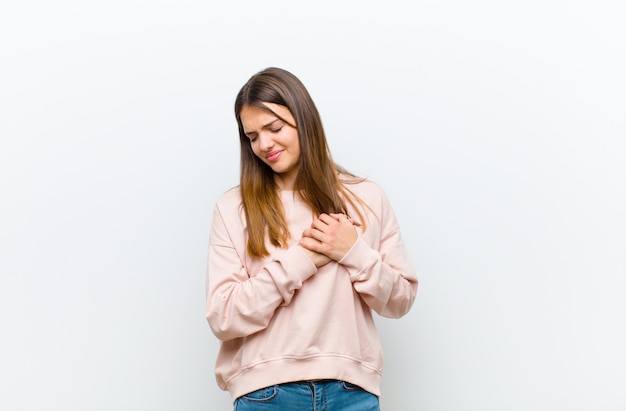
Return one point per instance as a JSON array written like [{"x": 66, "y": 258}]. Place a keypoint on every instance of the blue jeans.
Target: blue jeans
[{"x": 323, "y": 395}]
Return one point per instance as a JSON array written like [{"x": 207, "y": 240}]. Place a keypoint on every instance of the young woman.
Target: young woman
[{"x": 300, "y": 253}]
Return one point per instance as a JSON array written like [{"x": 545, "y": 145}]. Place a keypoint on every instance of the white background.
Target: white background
[{"x": 496, "y": 128}]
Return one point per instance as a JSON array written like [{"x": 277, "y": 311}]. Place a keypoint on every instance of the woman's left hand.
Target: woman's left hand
[{"x": 330, "y": 234}]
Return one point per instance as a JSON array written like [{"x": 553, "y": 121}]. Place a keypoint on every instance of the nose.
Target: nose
[{"x": 265, "y": 141}]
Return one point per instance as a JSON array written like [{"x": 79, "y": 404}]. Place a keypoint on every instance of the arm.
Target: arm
[
  {"x": 383, "y": 276},
  {"x": 239, "y": 304}
]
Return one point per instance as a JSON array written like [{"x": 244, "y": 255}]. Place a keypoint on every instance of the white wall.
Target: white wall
[{"x": 496, "y": 128}]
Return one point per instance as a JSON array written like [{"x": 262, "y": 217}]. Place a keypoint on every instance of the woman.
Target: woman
[{"x": 300, "y": 254}]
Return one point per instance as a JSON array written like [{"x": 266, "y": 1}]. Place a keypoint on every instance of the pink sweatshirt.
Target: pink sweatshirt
[{"x": 281, "y": 319}]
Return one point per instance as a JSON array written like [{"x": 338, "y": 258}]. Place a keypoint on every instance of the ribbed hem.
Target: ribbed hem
[{"x": 336, "y": 367}]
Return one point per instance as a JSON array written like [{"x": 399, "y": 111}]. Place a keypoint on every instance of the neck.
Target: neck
[{"x": 285, "y": 181}]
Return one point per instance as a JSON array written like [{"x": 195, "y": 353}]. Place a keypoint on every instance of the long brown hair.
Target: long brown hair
[{"x": 317, "y": 181}]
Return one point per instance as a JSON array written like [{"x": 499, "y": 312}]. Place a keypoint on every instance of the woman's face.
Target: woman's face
[{"x": 273, "y": 140}]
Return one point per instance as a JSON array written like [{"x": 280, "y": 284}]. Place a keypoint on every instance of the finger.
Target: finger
[
  {"x": 318, "y": 224},
  {"x": 344, "y": 217},
  {"x": 326, "y": 218},
  {"x": 318, "y": 235},
  {"x": 313, "y": 234},
  {"x": 310, "y": 244},
  {"x": 341, "y": 217}
]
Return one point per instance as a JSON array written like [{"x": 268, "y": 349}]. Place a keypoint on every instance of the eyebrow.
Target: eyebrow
[{"x": 247, "y": 133}]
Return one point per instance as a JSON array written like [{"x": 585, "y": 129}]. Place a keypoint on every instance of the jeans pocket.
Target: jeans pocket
[{"x": 263, "y": 395}]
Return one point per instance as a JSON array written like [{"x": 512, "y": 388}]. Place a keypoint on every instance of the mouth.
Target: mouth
[{"x": 273, "y": 156}]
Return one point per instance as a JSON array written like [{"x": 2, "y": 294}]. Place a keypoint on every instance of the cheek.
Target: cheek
[
  {"x": 255, "y": 149},
  {"x": 297, "y": 146},
  {"x": 295, "y": 142}
]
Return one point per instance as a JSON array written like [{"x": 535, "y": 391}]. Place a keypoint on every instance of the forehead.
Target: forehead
[{"x": 254, "y": 117}]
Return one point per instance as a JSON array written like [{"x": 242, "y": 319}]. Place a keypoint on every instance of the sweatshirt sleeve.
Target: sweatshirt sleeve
[
  {"x": 239, "y": 304},
  {"x": 384, "y": 277}
]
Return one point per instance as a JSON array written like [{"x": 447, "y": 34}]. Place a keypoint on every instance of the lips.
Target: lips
[{"x": 273, "y": 156}]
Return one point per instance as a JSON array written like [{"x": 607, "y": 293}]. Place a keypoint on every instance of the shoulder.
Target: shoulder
[
  {"x": 364, "y": 188},
  {"x": 231, "y": 198},
  {"x": 229, "y": 204},
  {"x": 228, "y": 210}
]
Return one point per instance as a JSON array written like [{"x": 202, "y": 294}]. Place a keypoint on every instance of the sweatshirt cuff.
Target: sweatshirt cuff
[
  {"x": 296, "y": 264},
  {"x": 358, "y": 259}
]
